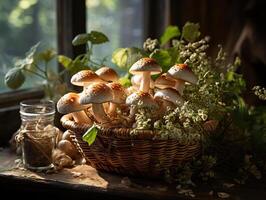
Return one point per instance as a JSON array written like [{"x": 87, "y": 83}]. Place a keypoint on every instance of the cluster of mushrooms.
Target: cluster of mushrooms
[{"x": 106, "y": 102}]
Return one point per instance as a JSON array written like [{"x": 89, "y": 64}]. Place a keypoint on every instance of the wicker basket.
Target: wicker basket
[{"x": 116, "y": 150}]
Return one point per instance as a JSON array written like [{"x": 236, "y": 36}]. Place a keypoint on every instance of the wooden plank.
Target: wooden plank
[{"x": 85, "y": 181}]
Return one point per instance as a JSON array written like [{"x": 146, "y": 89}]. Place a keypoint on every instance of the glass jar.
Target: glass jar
[{"x": 37, "y": 133}]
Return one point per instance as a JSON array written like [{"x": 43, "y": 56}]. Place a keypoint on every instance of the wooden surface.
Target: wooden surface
[{"x": 85, "y": 182}]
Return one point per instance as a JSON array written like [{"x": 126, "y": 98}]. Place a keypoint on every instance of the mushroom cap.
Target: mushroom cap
[
  {"x": 145, "y": 65},
  {"x": 144, "y": 97},
  {"x": 169, "y": 94},
  {"x": 107, "y": 74},
  {"x": 164, "y": 82},
  {"x": 85, "y": 77},
  {"x": 96, "y": 93},
  {"x": 136, "y": 80},
  {"x": 119, "y": 92},
  {"x": 69, "y": 103},
  {"x": 183, "y": 72}
]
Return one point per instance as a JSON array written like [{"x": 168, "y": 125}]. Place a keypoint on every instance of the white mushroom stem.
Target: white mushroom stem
[
  {"x": 145, "y": 82},
  {"x": 132, "y": 113},
  {"x": 99, "y": 113},
  {"x": 179, "y": 86},
  {"x": 81, "y": 117}
]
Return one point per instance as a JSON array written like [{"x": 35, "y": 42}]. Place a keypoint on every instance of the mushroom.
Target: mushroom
[
  {"x": 169, "y": 98},
  {"x": 163, "y": 82},
  {"x": 119, "y": 96},
  {"x": 69, "y": 103},
  {"x": 145, "y": 67},
  {"x": 107, "y": 74},
  {"x": 136, "y": 80},
  {"x": 97, "y": 94},
  {"x": 85, "y": 78},
  {"x": 68, "y": 148},
  {"x": 181, "y": 73},
  {"x": 144, "y": 98}
]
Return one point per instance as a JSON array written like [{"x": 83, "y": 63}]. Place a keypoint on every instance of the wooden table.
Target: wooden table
[{"x": 84, "y": 182}]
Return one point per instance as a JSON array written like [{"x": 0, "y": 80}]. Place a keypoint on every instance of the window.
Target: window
[
  {"x": 24, "y": 23},
  {"x": 120, "y": 20}
]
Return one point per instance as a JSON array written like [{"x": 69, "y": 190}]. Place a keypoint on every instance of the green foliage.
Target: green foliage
[
  {"x": 125, "y": 57},
  {"x": 241, "y": 129},
  {"x": 37, "y": 63},
  {"x": 72, "y": 66},
  {"x": 94, "y": 37},
  {"x": 190, "y": 32},
  {"x": 125, "y": 81},
  {"x": 90, "y": 135},
  {"x": 47, "y": 55},
  {"x": 162, "y": 57},
  {"x": 14, "y": 78},
  {"x": 169, "y": 33}
]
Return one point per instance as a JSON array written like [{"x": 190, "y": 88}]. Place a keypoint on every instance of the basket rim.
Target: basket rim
[{"x": 68, "y": 122}]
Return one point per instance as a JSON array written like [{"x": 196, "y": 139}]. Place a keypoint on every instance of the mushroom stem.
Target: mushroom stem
[
  {"x": 179, "y": 86},
  {"x": 132, "y": 113},
  {"x": 81, "y": 117},
  {"x": 145, "y": 82},
  {"x": 99, "y": 113},
  {"x": 112, "y": 108}
]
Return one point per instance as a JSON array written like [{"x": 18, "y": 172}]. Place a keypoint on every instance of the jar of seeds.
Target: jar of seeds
[{"x": 37, "y": 133}]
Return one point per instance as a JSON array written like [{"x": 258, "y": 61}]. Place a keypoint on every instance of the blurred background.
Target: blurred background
[{"x": 236, "y": 24}]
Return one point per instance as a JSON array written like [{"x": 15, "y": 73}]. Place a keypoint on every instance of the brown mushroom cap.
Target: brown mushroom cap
[
  {"x": 144, "y": 97},
  {"x": 145, "y": 65},
  {"x": 164, "y": 82},
  {"x": 119, "y": 93},
  {"x": 182, "y": 72},
  {"x": 85, "y": 77},
  {"x": 169, "y": 94},
  {"x": 69, "y": 103},
  {"x": 96, "y": 93},
  {"x": 107, "y": 74}
]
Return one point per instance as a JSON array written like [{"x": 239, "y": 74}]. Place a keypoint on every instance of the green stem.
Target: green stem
[
  {"x": 35, "y": 73},
  {"x": 41, "y": 70},
  {"x": 95, "y": 63},
  {"x": 46, "y": 69}
]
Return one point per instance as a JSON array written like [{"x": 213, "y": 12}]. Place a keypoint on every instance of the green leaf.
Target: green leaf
[
  {"x": 163, "y": 58},
  {"x": 14, "y": 78},
  {"x": 73, "y": 66},
  {"x": 126, "y": 57},
  {"x": 170, "y": 33},
  {"x": 190, "y": 32},
  {"x": 31, "y": 53},
  {"x": 90, "y": 135},
  {"x": 30, "y": 60},
  {"x": 65, "y": 61},
  {"x": 46, "y": 55},
  {"x": 125, "y": 81},
  {"x": 241, "y": 114},
  {"x": 80, "y": 39},
  {"x": 96, "y": 37}
]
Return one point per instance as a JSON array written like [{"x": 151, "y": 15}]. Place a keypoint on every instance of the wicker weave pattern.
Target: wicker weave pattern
[{"x": 115, "y": 150}]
